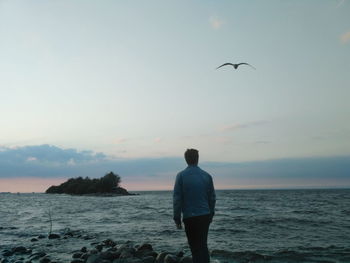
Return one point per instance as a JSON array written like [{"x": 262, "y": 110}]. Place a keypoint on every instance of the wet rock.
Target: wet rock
[
  {"x": 145, "y": 246},
  {"x": 19, "y": 250},
  {"x": 99, "y": 248},
  {"x": 77, "y": 255},
  {"x": 171, "y": 259},
  {"x": 83, "y": 249},
  {"x": 94, "y": 259},
  {"x": 7, "y": 253},
  {"x": 77, "y": 261},
  {"x": 161, "y": 256},
  {"x": 109, "y": 255},
  {"x": 186, "y": 260},
  {"x": 148, "y": 259},
  {"x": 45, "y": 260},
  {"x": 126, "y": 251},
  {"x": 85, "y": 256},
  {"x": 127, "y": 260},
  {"x": 54, "y": 236},
  {"x": 34, "y": 240},
  {"x": 109, "y": 243},
  {"x": 37, "y": 255},
  {"x": 112, "y": 249}
]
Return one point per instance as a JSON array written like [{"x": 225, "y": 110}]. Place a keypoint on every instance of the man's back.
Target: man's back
[
  {"x": 194, "y": 193},
  {"x": 194, "y": 196}
]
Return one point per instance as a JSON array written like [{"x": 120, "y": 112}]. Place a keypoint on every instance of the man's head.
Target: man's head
[{"x": 191, "y": 156}]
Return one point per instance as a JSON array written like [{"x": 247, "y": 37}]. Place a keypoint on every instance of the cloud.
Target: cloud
[
  {"x": 215, "y": 22},
  {"x": 47, "y": 155},
  {"x": 151, "y": 173},
  {"x": 345, "y": 38},
  {"x": 157, "y": 140},
  {"x": 340, "y": 3},
  {"x": 119, "y": 140},
  {"x": 237, "y": 126}
]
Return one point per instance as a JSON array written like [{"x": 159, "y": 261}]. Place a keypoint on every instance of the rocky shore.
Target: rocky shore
[{"x": 106, "y": 251}]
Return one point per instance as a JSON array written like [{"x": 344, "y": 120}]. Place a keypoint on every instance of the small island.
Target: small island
[{"x": 108, "y": 185}]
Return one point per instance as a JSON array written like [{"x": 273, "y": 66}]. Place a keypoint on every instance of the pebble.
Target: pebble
[
  {"x": 77, "y": 255},
  {"x": 170, "y": 259},
  {"x": 54, "y": 236},
  {"x": 45, "y": 260},
  {"x": 20, "y": 250}
]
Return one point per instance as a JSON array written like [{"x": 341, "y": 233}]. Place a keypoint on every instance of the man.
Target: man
[{"x": 194, "y": 196}]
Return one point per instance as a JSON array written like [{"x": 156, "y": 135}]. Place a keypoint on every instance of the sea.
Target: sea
[{"x": 311, "y": 225}]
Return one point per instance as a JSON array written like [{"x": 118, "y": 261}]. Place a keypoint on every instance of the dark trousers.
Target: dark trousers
[{"x": 197, "y": 235}]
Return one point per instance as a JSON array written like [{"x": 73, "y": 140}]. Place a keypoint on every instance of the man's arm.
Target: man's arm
[
  {"x": 177, "y": 200},
  {"x": 212, "y": 197}
]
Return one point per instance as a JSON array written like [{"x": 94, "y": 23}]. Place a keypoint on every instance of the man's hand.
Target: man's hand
[{"x": 178, "y": 225}]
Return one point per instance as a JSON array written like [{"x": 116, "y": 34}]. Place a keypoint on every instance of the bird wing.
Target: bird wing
[
  {"x": 243, "y": 63},
  {"x": 225, "y": 64}
]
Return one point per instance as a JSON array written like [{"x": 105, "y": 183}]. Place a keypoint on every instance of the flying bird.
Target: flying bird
[{"x": 235, "y": 65}]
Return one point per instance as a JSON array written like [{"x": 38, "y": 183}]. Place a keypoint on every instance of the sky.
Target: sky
[{"x": 89, "y": 86}]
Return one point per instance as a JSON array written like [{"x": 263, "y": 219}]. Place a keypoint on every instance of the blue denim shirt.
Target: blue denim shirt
[{"x": 194, "y": 193}]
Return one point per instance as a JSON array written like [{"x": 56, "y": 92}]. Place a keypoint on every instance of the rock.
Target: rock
[
  {"x": 145, "y": 247},
  {"x": 54, "y": 236},
  {"x": 148, "y": 259},
  {"x": 109, "y": 243},
  {"x": 34, "y": 240},
  {"x": 127, "y": 260},
  {"x": 93, "y": 251},
  {"x": 94, "y": 259},
  {"x": 77, "y": 255},
  {"x": 77, "y": 261},
  {"x": 161, "y": 256},
  {"x": 186, "y": 260},
  {"x": 85, "y": 256},
  {"x": 19, "y": 250},
  {"x": 150, "y": 253},
  {"x": 171, "y": 259},
  {"x": 112, "y": 249},
  {"x": 45, "y": 260},
  {"x": 83, "y": 249},
  {"x": 7, "y": 253},
  {"x": 99, "y": 247},
  {"x": 37, "y": 255},
  {"x": 180, "y": 254},
  {"x": 126, "y": 251},
  {"x": 108, "y": 255}
]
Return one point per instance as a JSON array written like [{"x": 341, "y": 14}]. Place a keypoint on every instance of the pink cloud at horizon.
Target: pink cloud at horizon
[{"x": 28, "y": 184}]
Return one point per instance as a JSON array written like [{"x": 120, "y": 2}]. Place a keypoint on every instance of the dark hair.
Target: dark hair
[{"x": 191, "y": 156}]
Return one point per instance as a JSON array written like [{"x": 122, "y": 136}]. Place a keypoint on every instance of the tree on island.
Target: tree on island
[{"x": 110, "y": 183}]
